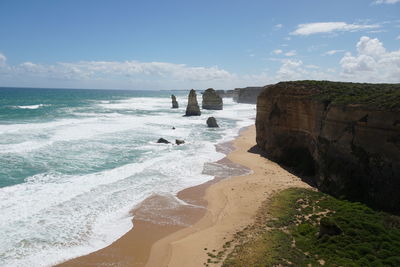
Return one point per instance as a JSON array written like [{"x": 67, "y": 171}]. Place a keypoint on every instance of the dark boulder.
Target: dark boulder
[
  {"x": 179, "y": 142},
  {"x": 163, "y": 141},
  {"x": 212, "y": 122}
]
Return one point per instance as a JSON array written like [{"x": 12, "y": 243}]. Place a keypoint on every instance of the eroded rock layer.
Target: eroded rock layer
[
  {"x": 192, "y": 108},
  {"x": 211, "y": 100},
  {"x": 345, "y": 135}
]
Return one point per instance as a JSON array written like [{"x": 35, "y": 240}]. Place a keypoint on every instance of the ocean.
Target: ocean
[{"x": 73, "y": 163}]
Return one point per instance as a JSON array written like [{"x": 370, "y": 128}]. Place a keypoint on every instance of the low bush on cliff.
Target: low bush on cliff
[
  {"x": 384, "y": 96},
  {"x": 299, "y": 227}
]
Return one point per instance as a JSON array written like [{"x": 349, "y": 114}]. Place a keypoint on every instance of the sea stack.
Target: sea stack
[
  {"x": 211, "y": 100},
  {"x": 174, "y": 102},
  {"x": 212, "y": 122},
  {"x": 192, "y": 108}
]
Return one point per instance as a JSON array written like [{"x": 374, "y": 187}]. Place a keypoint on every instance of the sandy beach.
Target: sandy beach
[{"x": 167, "y": 233}]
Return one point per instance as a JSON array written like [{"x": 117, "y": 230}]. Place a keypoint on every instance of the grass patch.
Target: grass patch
[{"x": 288, "y": 234}]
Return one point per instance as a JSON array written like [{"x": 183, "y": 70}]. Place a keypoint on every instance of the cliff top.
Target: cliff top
[{"x": 381, "y": 96}]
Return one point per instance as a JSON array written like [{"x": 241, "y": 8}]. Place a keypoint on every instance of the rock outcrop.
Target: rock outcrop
[
  {"x": 192, "y": 108},
  {"x": 344, "y": 135},
  {"x": 211, "y": 100},
  {"x": 247, "y": 95},
  {"x": 163, "y": 141},
  {"x": 212, "y": 122},
  {"x": 179, "y": 142},
  {"x": 174, "y": 102}
]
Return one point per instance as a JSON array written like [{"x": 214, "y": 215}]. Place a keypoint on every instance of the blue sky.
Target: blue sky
[{"x": 196, "y": 44}]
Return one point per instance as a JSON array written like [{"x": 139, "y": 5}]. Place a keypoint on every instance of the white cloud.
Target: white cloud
[
  {"x": 94, "y": 69},
  {"x": 278, "y": 27},
  {"x": 278, "y": 51},
  {"x": 311, "y": 66},
  {"x": 291, "y": 53},
  {"x": 114, "y": 74},
  {"x": 398, "y": 37},
  {"x": 290, "y": 70},
  {"x": 372, "y": 63},
  {"x": 3, "y": 60},
  {"x": 386, "y": 2},
  {"x": 328, "y": 27},
  {"x": 332, "y": 52}
]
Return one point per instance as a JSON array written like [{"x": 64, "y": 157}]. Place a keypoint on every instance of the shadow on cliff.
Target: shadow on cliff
[{"x": 307, "y": 178}]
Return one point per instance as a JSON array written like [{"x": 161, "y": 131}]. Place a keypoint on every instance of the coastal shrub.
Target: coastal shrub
[
  {"x": 290, "y": 234},
  {"x": 383, "y": 96}
]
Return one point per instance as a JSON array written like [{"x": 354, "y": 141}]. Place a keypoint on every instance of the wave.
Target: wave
[
  {"x": 55, "y": 215},
  {"x": 30, "y": 106}
]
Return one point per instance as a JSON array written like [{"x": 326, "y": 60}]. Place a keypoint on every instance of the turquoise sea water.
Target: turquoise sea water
[{"x": 74, "y": 162}]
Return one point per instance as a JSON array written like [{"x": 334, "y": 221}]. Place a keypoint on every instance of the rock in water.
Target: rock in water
[
  {"x": 212, "y": 122},
  {"x": 174, "y": 102},
  {"x": 163, "y": 141},
  {"x": 192, "y": 108},
  {"x": 211, "y": 100},
  {"x": 179, "y": 142}
]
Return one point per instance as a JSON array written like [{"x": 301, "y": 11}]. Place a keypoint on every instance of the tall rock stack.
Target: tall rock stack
[
  {"x": 211, "y": 100},
  {"x": 174, "y": 102},
  {"x": 192, "y": 108}
]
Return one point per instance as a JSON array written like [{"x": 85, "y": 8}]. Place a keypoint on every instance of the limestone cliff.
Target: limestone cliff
[
  {"x": 345, "y": 135},
  {"x": 211, "y": 100},
  {"x": 192, "y": 108},
  {"x": 227, "y": 93},
  {"x": 247, "y": 95}
]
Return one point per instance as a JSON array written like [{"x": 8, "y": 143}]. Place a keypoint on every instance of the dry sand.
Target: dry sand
[
  {"x": 232, "y": 205},
  {"x": 167, "y": 233}
]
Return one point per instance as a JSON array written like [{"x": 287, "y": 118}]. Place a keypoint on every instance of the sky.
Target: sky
[{"x": 183, "y": 44}]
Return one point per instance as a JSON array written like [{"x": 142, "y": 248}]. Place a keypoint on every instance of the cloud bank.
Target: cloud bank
[
  {"x": 373, "y": 63},
  {"x": 329, "y": 27},
  {"x": 386, "y": 2}
]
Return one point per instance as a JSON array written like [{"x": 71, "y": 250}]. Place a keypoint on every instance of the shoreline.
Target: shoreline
[
  {"x": 159, "y": 216},
  {"x": 217, "y": 210},
  {"x": 232, "y": 206}
]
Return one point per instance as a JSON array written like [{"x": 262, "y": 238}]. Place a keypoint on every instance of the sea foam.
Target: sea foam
[{"x": 96, "y": 165}]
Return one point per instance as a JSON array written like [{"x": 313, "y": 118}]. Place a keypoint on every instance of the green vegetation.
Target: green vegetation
[
  {"x": 287, "y": 232},
  {"x": 382, "y": 96}
]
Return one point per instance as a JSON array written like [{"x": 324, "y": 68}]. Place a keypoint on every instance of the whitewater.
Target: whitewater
[{"x": 74, "y": 163}]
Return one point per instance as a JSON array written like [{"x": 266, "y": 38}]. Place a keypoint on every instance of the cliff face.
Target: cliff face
[
  {"x": 351, "y": 149},
  {"x": 247, "y": 95},
  {"x": 225, "y": 93}
]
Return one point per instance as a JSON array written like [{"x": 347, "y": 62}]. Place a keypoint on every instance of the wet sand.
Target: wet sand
[
  {"x": 168, "y": 232},
  {"x": 159, "y": 216}
]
